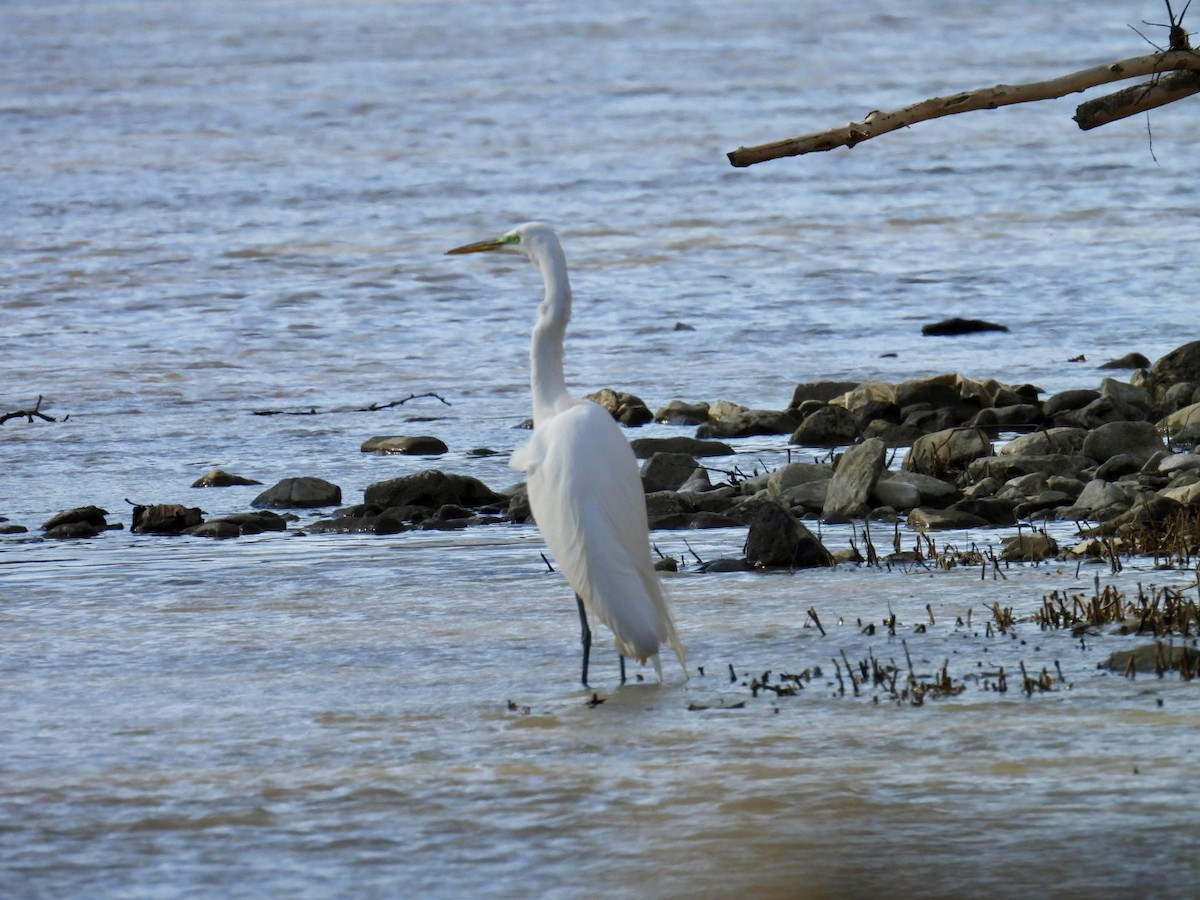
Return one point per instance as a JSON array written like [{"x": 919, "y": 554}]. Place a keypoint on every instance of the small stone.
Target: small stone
[
  {"x": 219, "y": 478},
  {"x": 408, "y": 445}
]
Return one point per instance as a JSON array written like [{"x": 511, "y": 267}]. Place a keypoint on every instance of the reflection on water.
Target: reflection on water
[{"x": 226, "y": 208}]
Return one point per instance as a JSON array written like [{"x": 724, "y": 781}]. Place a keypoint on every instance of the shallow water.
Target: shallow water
[{"x": 219, "y": 208}]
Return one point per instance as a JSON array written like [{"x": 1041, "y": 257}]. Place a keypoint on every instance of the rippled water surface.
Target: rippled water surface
[{"x": 218, "y": 208}]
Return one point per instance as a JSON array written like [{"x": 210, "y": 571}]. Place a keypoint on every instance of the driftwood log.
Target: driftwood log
[{"x": 1164, "y": 87}]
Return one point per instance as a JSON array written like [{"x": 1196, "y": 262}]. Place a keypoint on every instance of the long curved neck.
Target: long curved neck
[{"x": 546, "y": 347}]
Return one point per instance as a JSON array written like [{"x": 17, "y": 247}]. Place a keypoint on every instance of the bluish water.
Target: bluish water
[{"x": 218, "y": 208}]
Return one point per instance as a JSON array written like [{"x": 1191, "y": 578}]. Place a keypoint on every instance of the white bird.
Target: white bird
[{"x": 584, "y": 487}]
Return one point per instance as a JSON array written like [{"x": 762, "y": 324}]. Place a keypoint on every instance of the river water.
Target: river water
[{"x": 218, "y": 208}]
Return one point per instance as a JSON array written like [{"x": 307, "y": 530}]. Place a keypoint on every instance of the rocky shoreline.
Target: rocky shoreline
[{"x": 1117, "y": 459}]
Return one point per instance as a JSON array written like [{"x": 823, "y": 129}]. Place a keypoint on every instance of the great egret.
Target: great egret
[{"x": 583, "y": 482}]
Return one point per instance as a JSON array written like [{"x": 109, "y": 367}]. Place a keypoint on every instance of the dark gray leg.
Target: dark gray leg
[
  {"x": 622, "y": 668},
  {"x": 586, "y": 639}
]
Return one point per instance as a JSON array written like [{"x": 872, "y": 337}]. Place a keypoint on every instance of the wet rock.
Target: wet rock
[
  {"x": 1139, "y": 440},
  {"x": 1185, "y": 393},
  {"x": 697, "y": 482},
  {"x": 1181, "y": 364},
  {"x": 724, "y": 564},
  {"x": 1149, "y": 511},
  {"x": 238, "y": 524},
  {"x": 668, "y": 509},
  {"x": 1128, "y": 361},
  {"x": 80, "y": 522},
  {"x": 432, "y": 489},
  {"x": 993, "y": 510},
  {"x": 216, "y": 529},
  {"x": 1042, "y": 505},
  {"x": 749, "y": 423},
  {"x": 1118, "y": 402},
  {"x": 1017, "y": 417},
  {"x": 7, "y": 527},
  {"x": 935, "y": 493},
  {"x": 1049, "y": 440},
  {"x": 896, "y": 493},
  {"x": 791, "y": 475},
  {"x": 1154, "y": 658},
  {"x": 644, "y": 448},
  {"x": 677, "y": 412},
  {"x": 219, "y": 478},
  {"x": 165, "y": 518},
  {"x": 1102, "y": 500},
  {"x": 947, "y": 453},
  {"x": 1066, "y": 401},
  {"x": 627, "y": 409},
  {"x": 667, "y": 471},
  {"x": 1005, "y": 468},
  {"x": 777, "y": 539},
  {"x": 1118, "y": 467},
  {"x": 925, "y": 519},
  {"x": 958, "y": 326},
  {"x": 819, "y": 392},
  {"x": 853, "y": 480},
  {"x": 409, "y": 445},
  {"x": 295, "y": 493},
  {"x": 829, "y": 426},
  {"x": 1034, "y": 547},
  {"x": 1183, "y": 425}
]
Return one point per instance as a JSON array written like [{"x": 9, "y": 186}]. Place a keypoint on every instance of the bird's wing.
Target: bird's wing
[{"x": 587, "y": 498}]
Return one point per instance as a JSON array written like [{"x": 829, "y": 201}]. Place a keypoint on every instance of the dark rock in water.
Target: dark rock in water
[
  {"x": 1155, "y": 658},
  {"x": 7, "y": 527},
  {"x": 1128, "y": 361},
  {"x": 829, "y": 426},
  {"x": 777, "y": 539},
  {"x": 627, "y": 409},
  {"x": 79, "y": 529},
  {"x": 1033, "y": 547},
  {"x": 853, "y": 480},
  {"x": 667, "y": 471},
  {"x": 408, "y": 445},
  {"x": 1065, "y": 401},
  {"x": 479, "y": 452},
  {"x": 956, "y": 326},
  {"x": 678, "y": 412},
  {"x": 644, "y": 448},
  {"x": 221, "y": 478},
  {"x": 303, "y": 492},
  {"x": 91, "y": 515},
  {"x": 238, "y": 524},
  {"x": 432, "y": 489},
  {"x": 165, "y": 518},
  {"x": 924, "y": 519},
  {"x": 947, "y": 453},
  {"x": 820, "y": 392},
  {"x": 724, "y": 564},
  {"x": 1181, "y": 364},
  {"x": 750, "y": 422},
  {"x": 1137, "y": 439},
  {"x": 992, "y": 510}
]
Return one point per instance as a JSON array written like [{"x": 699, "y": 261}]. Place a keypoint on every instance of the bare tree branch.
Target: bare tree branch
[
  {"x": 877, "y": 123},
  {"x": 1140, "y": 98}
]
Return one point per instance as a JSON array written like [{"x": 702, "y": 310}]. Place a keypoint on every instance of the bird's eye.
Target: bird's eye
[{"x": 511, "y": 238}]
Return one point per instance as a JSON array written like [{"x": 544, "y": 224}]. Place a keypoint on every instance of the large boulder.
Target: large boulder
[
  {"x": 1181, "y": 364},
  {"x": 626, "y": 408},
  {"x": 432, "y": 489},
  {"x": 644, "y": 448},
  {"x": 294, "y": 493},
  {"x": 667, "y": 471},
  {"x": 854, "y": 479},
  {"x": 947, "y": 453},
  {"x": 1139, "y": 440},
  {"x": 1048, "y": 440},
  {"x": 409, "y": 445},
  {"x": 777, "y": 539},
  {"x": 828, "y": 426},
  {"x": 1182, "y": 425}
]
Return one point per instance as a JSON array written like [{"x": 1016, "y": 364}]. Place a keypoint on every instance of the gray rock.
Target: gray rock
[
  {"x": 896, "y": 493},
  {"x": 295, "y": 493},
  {"x": 697, "y": 482},
  {"x": 797, "y": 473},
  {"x": 829, "y": 426},
  {"x": 93, "y": 516},
  {"x": 1049, "y": 440},
  {"x": 1137, "y": 439},
  {"x": 1026, "y": 547},
  {"x": 935, "y": 492},
  {"x": 1181, "y": 364},
  {"x": 1005, "y": 468},
  {"x": 820, "y": 391},
  {"x": 1154, "y": 658},
  {"x": 925, "y": 519},
  {"x": 432, "y": 489},
  {"x": 992, "y": 510},
  {"x": 667, "y": 471},
  {"x": 1065, "y": 401},
  {"x": 220, "y": 478},
  {"x": 409, "y": 445},
  {"x": 1180, "y": 395},
  {"x": 853, "y": 480},
  {"x": 1183, "y": 425},
  {"x": 1128, "y": 361},
  {"x": 749, "y": 423},
  {"x": 644, "y": 448},
  {"x": 777, "y": 539},
  {"x": 947, "y": 453},
  {"x": 677, "y": 412}
]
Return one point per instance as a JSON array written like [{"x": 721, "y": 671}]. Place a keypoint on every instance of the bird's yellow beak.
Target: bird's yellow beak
[{"x": 477, "y": 247}]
